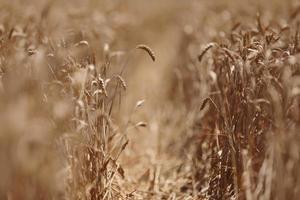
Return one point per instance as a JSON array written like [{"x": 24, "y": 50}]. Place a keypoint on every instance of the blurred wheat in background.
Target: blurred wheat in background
[{"x": 149, "y": 99}]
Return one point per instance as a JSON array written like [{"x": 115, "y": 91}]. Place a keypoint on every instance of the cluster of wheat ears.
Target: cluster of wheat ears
[{"x": 61, "y": 135}]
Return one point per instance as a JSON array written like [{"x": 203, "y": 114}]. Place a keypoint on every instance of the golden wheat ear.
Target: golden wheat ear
[
  {"x": 200, "y": 57},
  {"x": 147, "y": 49}
]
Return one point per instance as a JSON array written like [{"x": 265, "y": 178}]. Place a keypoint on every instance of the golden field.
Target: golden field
[{"x": 137, "y": 99}]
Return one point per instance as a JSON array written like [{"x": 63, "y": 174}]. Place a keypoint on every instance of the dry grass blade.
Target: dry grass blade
[
  {"x": 82, "y": 43},
  {"x": 122, "y": 82},
  {"x": 295, "y": 13},
  {"x": 139, "y": 103},
  {"x": 141, "y": 124},
  {"x": 208, "y": 99},
  {"x": 229, "y": 54},
  {"x": 259, "y": 24},
  {"x": 102, "y": 86},
  {"x": 236, "y": 26}
]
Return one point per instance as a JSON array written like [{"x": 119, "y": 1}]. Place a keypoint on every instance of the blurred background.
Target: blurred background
[{"x": 32, "y": 135}]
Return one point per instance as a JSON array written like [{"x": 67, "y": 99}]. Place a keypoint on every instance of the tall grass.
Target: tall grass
[
  {"x": 228, "y": 128},
  {"x": 247, "y": 140},
  {"x": 59, "y": 102}
]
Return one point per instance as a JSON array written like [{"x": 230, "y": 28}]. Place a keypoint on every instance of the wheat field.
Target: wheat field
[{"x": 136, "y": 99}]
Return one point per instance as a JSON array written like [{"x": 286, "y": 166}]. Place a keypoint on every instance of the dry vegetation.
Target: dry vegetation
[{"x": 209, "y": 110}]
